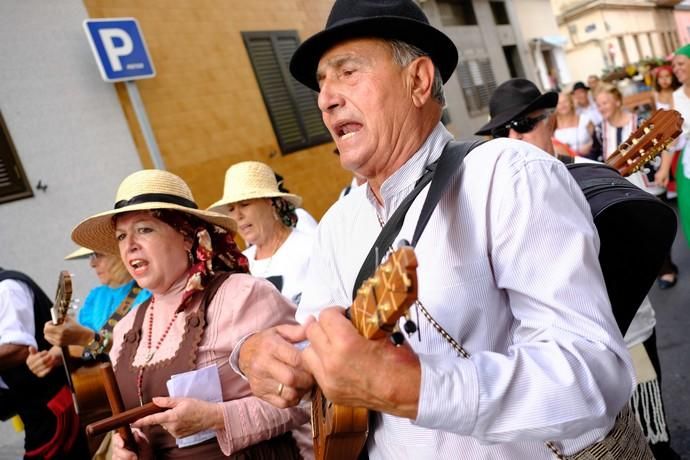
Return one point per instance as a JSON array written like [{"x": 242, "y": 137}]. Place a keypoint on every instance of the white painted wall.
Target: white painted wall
[{"x": 69, "y": 131}]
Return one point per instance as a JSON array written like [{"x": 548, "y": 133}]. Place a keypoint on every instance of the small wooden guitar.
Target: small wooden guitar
[
  {"x": 340, "y": 432},
  {"x": 85, "y": 381},
  {"x": 650, "y": 139}
]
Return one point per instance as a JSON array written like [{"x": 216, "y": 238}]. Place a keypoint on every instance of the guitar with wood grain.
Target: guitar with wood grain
[
  {"x": 84, "y": 378},
  {"x": 651, "y": 138},
  {"x": 340, "y": 432}
]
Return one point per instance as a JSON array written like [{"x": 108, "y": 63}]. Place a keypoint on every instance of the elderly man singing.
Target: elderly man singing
[{"x": 517, "y": 354}]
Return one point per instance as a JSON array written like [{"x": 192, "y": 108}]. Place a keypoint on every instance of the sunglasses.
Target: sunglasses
[
  {"x": 95, "y": 256},
  {"x": 521, "y": 125}
]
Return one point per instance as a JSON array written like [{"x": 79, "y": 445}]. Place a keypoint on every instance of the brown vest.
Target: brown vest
[{"x": 154, "y": 384}]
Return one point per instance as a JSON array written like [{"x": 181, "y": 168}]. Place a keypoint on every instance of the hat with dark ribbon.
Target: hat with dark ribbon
[
  {"x": 388, "y": 19},
  {"x": 514, "y": 98},
  {"x": 144, "y": 190}
]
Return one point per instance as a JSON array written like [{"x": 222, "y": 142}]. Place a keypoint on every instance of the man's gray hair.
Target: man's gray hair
[{"x": 404, "y": 53}]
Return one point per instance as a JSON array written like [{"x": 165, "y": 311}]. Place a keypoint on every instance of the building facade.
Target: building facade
[
  {"x": 604, "y": 35},
  {"x": 682, "y": 15},
  {"x": 496, "y": 40}
]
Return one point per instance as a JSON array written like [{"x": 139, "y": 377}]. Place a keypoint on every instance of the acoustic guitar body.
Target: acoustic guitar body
[
  {"x": 91, "y": 399},
  {"x": 339, "y": 432},
  {"x": 84, "y": 379}
]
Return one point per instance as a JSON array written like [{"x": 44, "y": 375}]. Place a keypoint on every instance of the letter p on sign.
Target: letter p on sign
[{"x": 119, "y": 48}]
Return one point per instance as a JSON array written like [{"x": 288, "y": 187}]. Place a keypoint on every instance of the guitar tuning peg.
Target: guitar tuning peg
[{"x": 397, "y": 338}]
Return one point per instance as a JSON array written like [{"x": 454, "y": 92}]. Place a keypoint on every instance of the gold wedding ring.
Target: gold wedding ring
[{"x": 280, "y": 389}]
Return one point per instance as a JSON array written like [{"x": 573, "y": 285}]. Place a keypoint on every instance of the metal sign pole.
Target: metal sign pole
[{"x": 144, "y": 124}]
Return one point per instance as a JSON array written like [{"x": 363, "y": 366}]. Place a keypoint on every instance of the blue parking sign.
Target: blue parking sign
[{"x": 119, "y": 48}]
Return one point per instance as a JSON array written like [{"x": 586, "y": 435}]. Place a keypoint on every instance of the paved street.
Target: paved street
[
  {"x": 673, "y": 340},
  {"x": 11, "y": 442}
]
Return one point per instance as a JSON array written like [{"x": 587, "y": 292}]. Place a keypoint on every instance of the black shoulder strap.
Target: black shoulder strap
[{"x": 438, "y": 173}]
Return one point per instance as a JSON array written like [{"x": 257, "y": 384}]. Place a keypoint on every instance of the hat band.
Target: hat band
[{"x": 156, "y": 197}]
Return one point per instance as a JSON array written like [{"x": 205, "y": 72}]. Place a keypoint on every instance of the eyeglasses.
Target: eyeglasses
[{"x": 521, "y": 125}]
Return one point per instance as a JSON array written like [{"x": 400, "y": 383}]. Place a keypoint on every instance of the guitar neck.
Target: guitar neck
[
  {"x": 646, "y": 142},
  {"x": 123, "y": 419}
]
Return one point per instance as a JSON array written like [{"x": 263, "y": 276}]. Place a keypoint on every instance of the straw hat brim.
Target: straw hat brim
[
  {"x": 219, "y": 206},
  {"x": 79, "y": 254},
  {"x": 98, "y": 232}
]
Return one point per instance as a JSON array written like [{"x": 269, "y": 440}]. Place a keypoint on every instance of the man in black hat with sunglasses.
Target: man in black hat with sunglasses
[
  {"x": 516, "y": 354},
  {"x": 520, "y": 111}
]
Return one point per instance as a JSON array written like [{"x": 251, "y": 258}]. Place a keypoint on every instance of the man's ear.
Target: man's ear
[{"x": 421, "y": 74}]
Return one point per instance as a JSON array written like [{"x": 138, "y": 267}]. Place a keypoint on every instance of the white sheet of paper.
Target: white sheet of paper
[{"x": 201, "y": 384}]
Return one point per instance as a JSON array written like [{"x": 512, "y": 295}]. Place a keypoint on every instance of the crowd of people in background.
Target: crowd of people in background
[{"x": 228, "y": 342}]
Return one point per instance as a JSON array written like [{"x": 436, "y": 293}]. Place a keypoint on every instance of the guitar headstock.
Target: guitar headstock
[
  {"x": 386, "y": 296},
  {"x": 649, "y": 140},
  {"x": 63, "y": 297}
]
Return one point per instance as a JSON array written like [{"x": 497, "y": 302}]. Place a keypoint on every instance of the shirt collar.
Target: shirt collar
[{"x": 401, "y": 182}]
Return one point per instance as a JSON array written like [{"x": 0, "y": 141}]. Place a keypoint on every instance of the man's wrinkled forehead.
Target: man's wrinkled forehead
[{"x": 357, "y": 51}]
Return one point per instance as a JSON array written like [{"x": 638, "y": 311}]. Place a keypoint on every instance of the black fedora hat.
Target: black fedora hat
[
  {"x": 390, "y": 19},
  {"x": 514, "y": 98},
  {"x": 580, "y": 85}
]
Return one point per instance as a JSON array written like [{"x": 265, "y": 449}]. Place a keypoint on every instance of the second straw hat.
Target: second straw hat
[{"x": 249, "y": 180}]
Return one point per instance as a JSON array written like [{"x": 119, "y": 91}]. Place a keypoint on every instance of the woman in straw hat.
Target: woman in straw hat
[
  {"x": 202, "y": 303},
  {"x": 266, "y": 221},
  {"x": 116, "y": 295}
]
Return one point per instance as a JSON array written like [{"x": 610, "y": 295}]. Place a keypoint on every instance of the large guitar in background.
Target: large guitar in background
[
  {"x": 85, "y": 381},
  {"x": 340, "y": 432},
  {"x": 650, "y": 139}
]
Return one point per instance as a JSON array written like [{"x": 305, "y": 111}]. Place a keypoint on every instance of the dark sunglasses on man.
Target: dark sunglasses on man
[{"x": 521, "y": 125}]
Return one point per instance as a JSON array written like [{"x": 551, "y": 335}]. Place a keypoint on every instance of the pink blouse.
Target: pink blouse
[{"x": 242, "y": 305}]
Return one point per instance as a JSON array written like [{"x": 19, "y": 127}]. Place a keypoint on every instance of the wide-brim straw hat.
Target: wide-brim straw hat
[
  {"x": 143, "y": 190},
  {"x": 79, "y": 253},
  {"x": 249, "y": 180},
  {"x": 400, "y": 20}
]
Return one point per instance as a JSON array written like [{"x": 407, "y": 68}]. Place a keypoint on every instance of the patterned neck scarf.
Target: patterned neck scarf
[{"x": 213, "y": 249}]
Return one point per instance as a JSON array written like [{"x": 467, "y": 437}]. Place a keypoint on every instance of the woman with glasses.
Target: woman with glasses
[
  {"x": 117, "y": 291},
  {"x": 571, "y": 130}
]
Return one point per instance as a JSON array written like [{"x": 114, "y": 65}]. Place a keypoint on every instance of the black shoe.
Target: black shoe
[{"x": 666, "y": 284}]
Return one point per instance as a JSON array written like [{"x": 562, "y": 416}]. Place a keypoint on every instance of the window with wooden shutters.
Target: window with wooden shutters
[
  {"x": 478, "y": 84},
  {"x": 13, "y": 183},
  {"x": 291, "y": 106}
]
